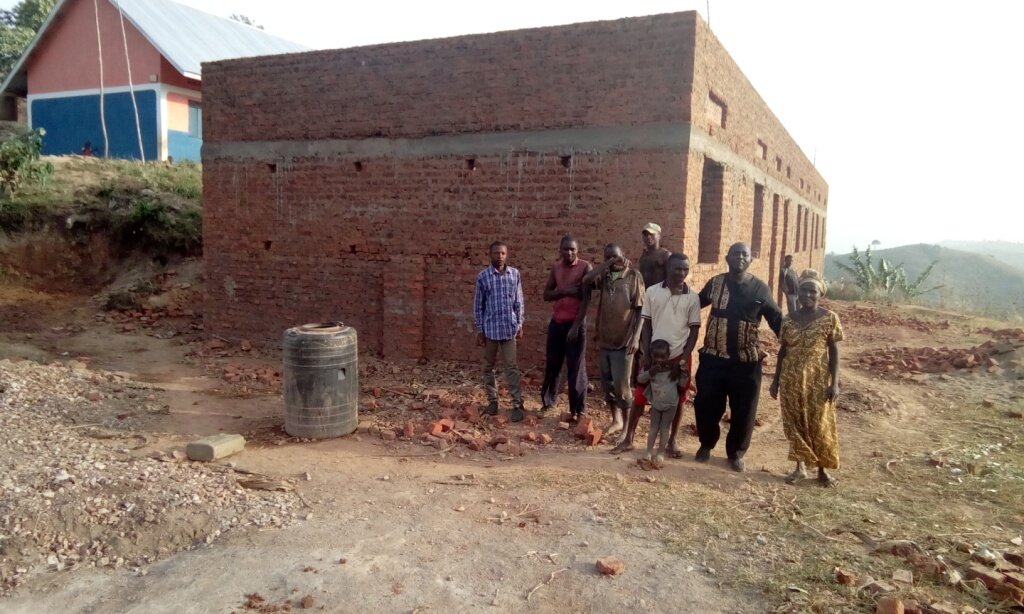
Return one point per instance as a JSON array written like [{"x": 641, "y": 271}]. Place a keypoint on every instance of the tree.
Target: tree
[
  {"x": 249, "y": 21},
  {"x": 32, "y": 13},
  {"x": 17, "y": 29}
]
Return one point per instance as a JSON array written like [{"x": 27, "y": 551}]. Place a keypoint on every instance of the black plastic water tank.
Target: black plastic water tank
[{"x": 321, "y": 380}]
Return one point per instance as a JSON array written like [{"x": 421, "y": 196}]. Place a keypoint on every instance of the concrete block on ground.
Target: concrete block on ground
[{"x": 214, "y": 447}]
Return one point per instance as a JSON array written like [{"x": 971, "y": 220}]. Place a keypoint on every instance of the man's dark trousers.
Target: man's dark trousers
[
  {"x": 718, "y": 380},
  {"x": 560, "y": 351}
]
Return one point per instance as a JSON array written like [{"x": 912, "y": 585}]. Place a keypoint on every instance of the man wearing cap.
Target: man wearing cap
[{"x": 652, "y": 261}]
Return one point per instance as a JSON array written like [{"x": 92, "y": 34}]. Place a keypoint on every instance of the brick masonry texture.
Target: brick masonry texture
[{"x": 390, "y": 241}]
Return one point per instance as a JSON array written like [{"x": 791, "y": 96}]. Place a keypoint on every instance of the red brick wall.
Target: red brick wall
[
  {"x": 610, "y": 73},
  {"x": 404, "y": 245}
]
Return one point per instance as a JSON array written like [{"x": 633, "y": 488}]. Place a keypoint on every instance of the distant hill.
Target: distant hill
[
  {"x": 1010, "y": 253},
  {"x": 971, "y": 282}
]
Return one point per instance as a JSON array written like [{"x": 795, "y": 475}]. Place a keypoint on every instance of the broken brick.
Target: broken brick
[
  {"x": 477, "y": 444},
  {"x": 499, "y": 421},
  {"x": 593, "y": 437},
  {"x": 564, "y": 426},
  {"x": 498, "y": 439},
  {"x": 409, "y": 430},
  {"x": 879, "y": 586},
  {"x": 447, "y": 424},
  {"x": 545, "y": 438},
  {"x": 388, "y": 435},
  {"x": 989, "y": 577},
  {"x": 1015, "y": 578},
  {"x": 501, "y": 447},
  {"x": 889, "y": 605},
  {"x": 610, "y": 566},
  {"x": 436, "y": 428},
  {"x": 845, "y": 578},
  {"x": 531, "y": 436},
  {"x": 584, "y": 427},
  {"x": 1009, "y": 592}
]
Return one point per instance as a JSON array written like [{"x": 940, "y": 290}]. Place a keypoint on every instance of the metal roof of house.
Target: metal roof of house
[{"x": 185, "y": 36}]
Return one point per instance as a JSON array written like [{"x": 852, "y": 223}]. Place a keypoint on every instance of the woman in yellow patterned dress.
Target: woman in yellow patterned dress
[{"x": 807, "y": 380}]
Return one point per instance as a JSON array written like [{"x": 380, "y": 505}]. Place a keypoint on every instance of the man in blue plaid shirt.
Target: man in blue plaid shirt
[{"x": 498, "y": 318}]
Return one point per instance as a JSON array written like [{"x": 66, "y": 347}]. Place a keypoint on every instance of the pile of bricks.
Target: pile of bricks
[{"x": 991, "y": 356}]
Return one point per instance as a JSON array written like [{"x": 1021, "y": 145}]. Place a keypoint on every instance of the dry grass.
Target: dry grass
[{"x": 786, "y": 542}]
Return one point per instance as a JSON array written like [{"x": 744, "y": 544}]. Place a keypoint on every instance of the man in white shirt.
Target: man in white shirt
[{"x": 671, "y": 312}]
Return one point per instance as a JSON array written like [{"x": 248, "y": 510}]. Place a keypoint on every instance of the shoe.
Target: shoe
[
  {"x": 573, "y": 419},
  {"x": 737, "y": 465},
  {"x": 702, "y": 455},
  {"x": 659, "y": 459},
  {"x": 492, "y": 408},
  {"x": 517, "y": 414},
  {"x": 544, "y": 410}
]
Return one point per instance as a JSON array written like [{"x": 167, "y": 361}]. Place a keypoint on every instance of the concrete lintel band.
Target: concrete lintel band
[
  {"x": 670, "y": 136},
  {"x": 666, "y": 136}
]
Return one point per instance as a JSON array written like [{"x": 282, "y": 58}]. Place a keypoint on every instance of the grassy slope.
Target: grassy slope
[
  {"x": 155, "y": 206},
  {"x": 972, "y": 282}
]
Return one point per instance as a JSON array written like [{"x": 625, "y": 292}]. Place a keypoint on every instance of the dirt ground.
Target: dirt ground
[{"x": 379, "y": 521}]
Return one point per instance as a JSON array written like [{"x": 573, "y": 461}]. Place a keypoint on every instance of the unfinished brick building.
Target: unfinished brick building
[{"x": 365, "y": 184}]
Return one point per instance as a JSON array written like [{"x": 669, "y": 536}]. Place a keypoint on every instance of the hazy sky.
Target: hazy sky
[{"x": 912, "y": 110}]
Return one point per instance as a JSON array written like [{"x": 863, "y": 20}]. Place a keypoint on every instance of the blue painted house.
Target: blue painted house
[{"x": 125, "y": 76}]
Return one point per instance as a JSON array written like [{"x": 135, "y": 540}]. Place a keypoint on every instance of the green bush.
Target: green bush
[
  {"x": 19, "y": 161},
  {"x": 150, "y": 223},
  {"x": 844, "y": 290},
  {"x": 887, "y": 282}
]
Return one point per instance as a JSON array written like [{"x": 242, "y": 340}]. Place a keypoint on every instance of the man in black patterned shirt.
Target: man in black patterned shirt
[{"x": 730, "y": 361}]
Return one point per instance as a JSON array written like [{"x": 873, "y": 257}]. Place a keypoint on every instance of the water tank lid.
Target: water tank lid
[{"x": 324, "y": 328}]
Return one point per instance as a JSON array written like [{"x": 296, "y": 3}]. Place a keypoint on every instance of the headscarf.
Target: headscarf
[{"x": 810, "y": 276}]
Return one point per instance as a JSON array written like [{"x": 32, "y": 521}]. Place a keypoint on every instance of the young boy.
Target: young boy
[{"x": 663, "y": 390}]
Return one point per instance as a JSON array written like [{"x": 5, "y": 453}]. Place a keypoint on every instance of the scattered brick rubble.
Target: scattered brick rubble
[{"x": 995, "y": 356}]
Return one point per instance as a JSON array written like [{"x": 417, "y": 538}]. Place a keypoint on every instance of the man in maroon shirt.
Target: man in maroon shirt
[{"x": 565, "y": 289}]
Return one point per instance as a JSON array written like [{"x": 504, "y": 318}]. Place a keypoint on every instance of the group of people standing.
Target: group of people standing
[{"x": 648, "y": 320}]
